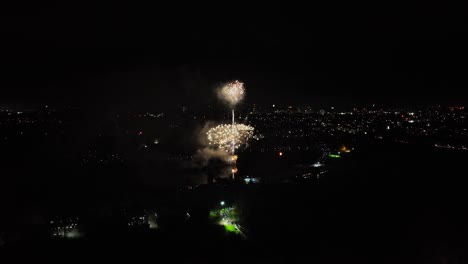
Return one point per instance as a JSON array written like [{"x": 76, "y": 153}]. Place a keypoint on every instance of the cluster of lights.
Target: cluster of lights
[
  {"x": 137, "y": 221},
  {"x": 448, "y": 146},
  {"x": 251, "y": 180},
  {"x": 223, "y": 136},
  {"x": 66, "y": 228}
]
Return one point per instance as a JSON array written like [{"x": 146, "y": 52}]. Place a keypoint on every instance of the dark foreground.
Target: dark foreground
[{"x": 384, "y": 204}]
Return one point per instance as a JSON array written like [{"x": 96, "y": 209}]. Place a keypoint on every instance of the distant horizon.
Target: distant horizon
[{"x": 36, "y": 106}]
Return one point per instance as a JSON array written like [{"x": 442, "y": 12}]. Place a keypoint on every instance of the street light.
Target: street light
[{"x": 222, "y": 203}]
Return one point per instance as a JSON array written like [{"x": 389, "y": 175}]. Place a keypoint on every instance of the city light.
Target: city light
[
  {"x": 344, "y": 149},
  {"x": 317, "y": 164}
]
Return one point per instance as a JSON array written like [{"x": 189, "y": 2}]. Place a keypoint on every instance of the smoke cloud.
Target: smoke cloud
[
  {"x": 212, "y": 163},
  {"x": 203, "y": 156}
]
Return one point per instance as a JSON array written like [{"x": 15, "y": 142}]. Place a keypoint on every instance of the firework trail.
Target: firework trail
[{"x": 232, "y": 93}]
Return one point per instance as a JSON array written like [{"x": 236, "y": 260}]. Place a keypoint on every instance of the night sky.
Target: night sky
[{"x": 118, "y": 53}]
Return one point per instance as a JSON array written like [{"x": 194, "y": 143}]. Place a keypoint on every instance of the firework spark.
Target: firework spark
[
  {"x": 223, "y": 136},
  {"x": 232, "y": 92}
]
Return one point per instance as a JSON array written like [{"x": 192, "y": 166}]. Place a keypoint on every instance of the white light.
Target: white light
[
  {"x": 317, "y": 164},
  {"x": 222, "y": 203}
]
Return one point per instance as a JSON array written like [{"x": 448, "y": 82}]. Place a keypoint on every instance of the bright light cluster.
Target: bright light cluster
[
  {"x": 223, "y": 136},
  {"x": 227, "y": 217},
  {"x": 233, "y": 92}
]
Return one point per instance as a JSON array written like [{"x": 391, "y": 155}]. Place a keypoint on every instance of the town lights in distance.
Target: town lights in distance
[
  {"x": 232, "y": 92},
  {"x": 222, "y": 136}
]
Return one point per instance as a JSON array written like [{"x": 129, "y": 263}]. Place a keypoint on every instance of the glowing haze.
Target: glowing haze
[{"x": 232, "y": 93}]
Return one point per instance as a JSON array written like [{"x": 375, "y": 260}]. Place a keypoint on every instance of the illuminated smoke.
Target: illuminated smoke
[
  {"x": 214, "y": 162},
  {"x": 203, "y": 156}
]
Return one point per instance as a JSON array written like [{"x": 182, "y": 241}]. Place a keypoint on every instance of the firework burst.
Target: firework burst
[
  {"x": 223, "y": 136},
  {"x": 232, "y": 92}
]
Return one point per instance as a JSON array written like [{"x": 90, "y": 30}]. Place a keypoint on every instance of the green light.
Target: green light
[
  {"x": 226, "y": 217},
  {"x": 231, "y": 228},
  {"x": 213, "y": 214},
  {"x": 334, "y": 156}
]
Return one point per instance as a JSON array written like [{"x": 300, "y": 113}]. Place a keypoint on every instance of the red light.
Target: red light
[{"x": 281, "y": 154}]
